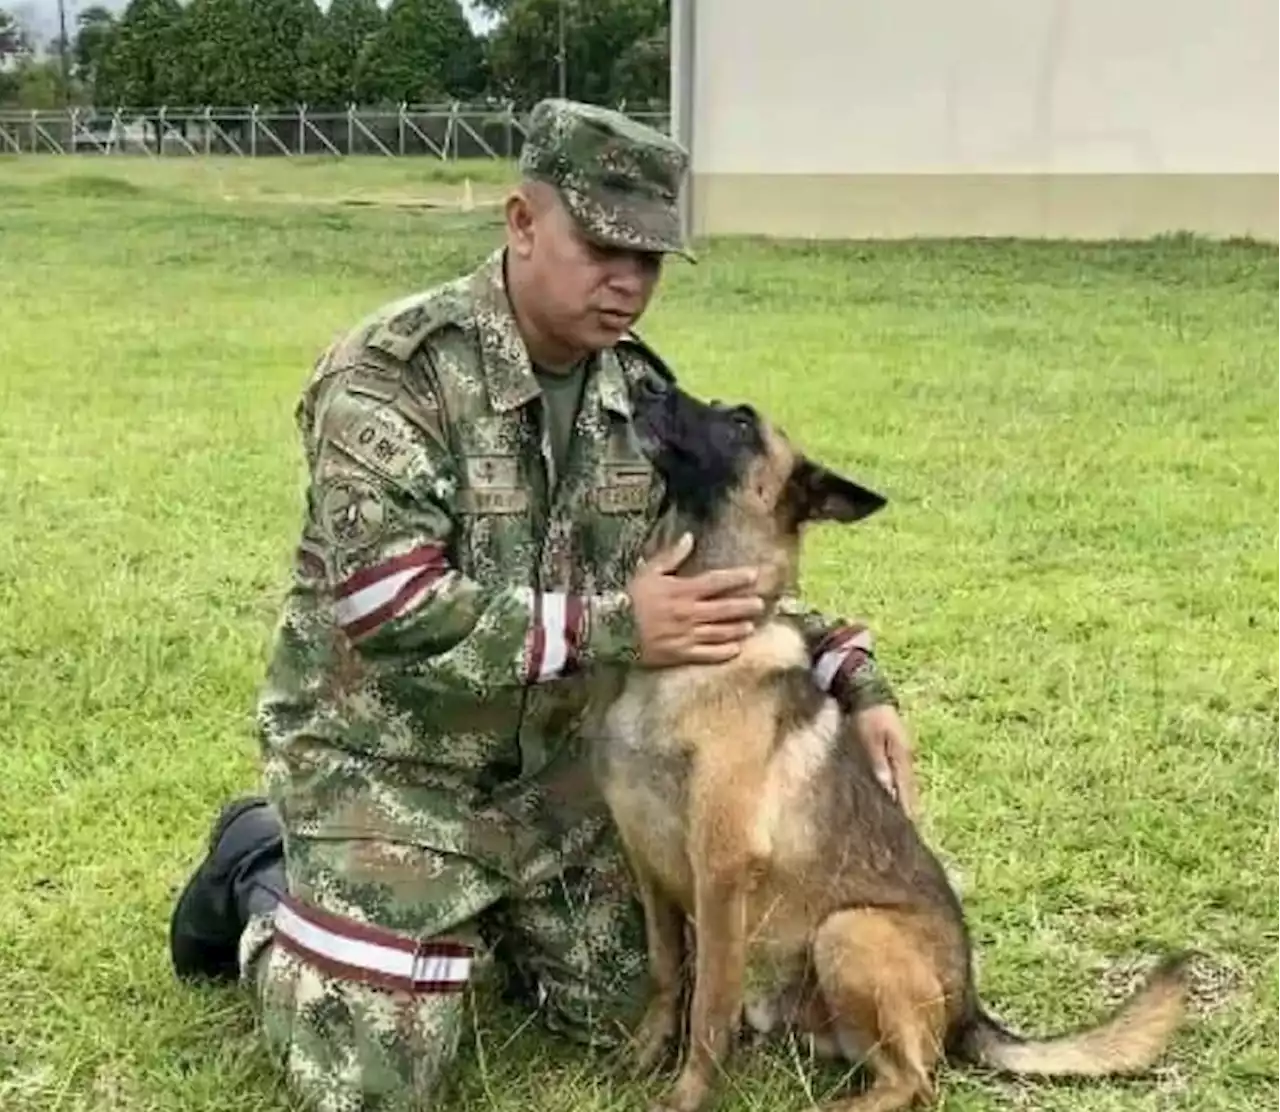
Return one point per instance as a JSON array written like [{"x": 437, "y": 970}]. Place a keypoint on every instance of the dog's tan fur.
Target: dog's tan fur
[{"x": 745, "y": 803}]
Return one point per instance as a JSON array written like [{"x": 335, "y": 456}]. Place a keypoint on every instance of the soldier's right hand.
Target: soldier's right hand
[{"x": 696, "y": 619}]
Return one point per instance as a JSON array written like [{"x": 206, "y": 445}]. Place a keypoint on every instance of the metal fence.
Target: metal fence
[{"x": 448, "y": 131}]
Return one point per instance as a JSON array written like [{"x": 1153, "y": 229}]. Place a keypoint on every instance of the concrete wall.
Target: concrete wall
[{"x": 993, "y": 117}]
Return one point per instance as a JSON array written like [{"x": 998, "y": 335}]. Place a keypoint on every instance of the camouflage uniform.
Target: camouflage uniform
[{"x": 449, "y": 595}]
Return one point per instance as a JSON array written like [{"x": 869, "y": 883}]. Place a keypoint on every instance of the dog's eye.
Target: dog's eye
[{"x": 744, "y": 418}]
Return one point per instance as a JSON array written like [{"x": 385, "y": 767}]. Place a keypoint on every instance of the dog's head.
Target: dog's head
[{"x": 730, "y": 471}]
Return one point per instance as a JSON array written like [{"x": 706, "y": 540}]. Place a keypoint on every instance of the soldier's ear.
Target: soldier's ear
[
  {"x": 521, "y": 213},
  {"x": 816, "y": 493}
]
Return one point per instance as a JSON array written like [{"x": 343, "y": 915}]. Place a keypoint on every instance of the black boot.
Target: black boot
[{"x": 242, "y": 874}]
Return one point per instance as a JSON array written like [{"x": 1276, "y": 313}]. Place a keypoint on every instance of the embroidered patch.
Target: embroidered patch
[
  {"x": 622, "y": 499},
  {"x": 627, "y": 474},
  {"x": 409, "y": 321},
  {"x": 374, "y": 441},
  {"x": 487, "y": 472},
  {"x": 379, "y": 389},
  {"x": 352, "y": 513},
  {"x": 625, "y": 489},
  {"x": 493, "y": 486},
  {"x": 511, "y": 500}
]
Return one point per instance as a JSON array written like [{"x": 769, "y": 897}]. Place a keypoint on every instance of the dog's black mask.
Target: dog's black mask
[{"x": 700, "y": 449}]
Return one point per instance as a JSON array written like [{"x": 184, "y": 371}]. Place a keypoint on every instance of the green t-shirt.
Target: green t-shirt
[{"x": 562, "y": 395}]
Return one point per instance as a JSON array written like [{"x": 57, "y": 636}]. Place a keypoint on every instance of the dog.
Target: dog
[{"x": 747, "y": 808}]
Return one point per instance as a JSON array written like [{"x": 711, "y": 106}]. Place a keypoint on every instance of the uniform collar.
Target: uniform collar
[
  {"x": 508, "y": 372},
  {"x": 612, "y": 384}
]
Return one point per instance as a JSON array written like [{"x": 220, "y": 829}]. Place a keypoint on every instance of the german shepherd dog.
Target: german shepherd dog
[{"x": 745, "y": 804}]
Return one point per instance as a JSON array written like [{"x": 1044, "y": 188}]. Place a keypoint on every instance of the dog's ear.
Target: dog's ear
[{"x": 815, "y": 493}]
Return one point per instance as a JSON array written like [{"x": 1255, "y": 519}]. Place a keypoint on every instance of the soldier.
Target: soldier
[{"x": 469, "y": 549}]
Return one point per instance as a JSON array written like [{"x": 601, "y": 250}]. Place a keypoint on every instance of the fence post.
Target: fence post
[
  {"x": 253, "y": 131},
  {"x": 351, "y": 130}
]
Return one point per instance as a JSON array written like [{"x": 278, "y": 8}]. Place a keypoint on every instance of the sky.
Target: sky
[{"x": 41, "y": 16}]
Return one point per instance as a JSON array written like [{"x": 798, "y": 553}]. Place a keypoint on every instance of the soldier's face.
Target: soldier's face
[{"x": 586, "y": 294}]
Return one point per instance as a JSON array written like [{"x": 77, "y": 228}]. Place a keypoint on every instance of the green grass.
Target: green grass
[{"x": 1074, "y": 588}]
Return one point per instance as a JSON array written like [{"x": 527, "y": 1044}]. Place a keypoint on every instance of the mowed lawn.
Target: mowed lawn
[{"x": 1074, "y": 587}]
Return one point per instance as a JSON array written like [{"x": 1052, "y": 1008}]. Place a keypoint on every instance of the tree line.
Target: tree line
[{"x": 281, "y": 53}]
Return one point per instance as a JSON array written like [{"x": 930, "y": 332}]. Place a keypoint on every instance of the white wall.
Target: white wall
[{"x": 985, "y": 86}]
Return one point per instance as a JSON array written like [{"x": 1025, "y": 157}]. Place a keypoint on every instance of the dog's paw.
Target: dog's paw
[
  {"x": 650, "y": 1056},
  {"x": 688, "y": 1095},
  {"x": 652, "y": 1041}
]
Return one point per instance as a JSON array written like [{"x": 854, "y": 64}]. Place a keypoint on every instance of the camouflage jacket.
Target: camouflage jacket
[{"x": 448, "y": 597}]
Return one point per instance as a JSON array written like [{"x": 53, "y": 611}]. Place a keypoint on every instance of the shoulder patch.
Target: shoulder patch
[
  {"x": 633, "y": 345},
  {"x": 375, "y": 382},
  {"x": 351, "y": 512},
  {"x": 404, "y": 332},
  {"x": 371, "y": 436}
]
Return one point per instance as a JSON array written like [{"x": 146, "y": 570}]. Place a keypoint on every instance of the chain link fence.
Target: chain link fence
[{"x": 443, "y": 131}]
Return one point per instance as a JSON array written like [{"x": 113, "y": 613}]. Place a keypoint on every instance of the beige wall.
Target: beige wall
[{"x": 1030, "y": 117}]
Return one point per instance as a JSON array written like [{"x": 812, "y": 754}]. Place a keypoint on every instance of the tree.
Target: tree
[
  {"x": 143, "y": 57},
  {"x": 240, "y": 52},
  {"x": 95, "y": 31},
  {"x": 278, "y": 32},
  {"x": 424, "y": 51},
  {"x": 641, "y": 76},
  {"x": 25, "y": 80},
  {"x": 213, "y": 38},
  {"x": 38, "y": 83},
  {"x": 13, "y": 39},
  {"x": 333, "y": 56},
  {"x": 604, "y": 62},
  {"x": 12, "y": 44}
]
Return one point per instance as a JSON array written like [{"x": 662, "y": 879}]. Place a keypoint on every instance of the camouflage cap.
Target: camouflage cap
[{"x": 619, "y": 179}]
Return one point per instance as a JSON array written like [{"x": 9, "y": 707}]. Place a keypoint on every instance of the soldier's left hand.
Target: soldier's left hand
[{"x": 884, "y": 735}]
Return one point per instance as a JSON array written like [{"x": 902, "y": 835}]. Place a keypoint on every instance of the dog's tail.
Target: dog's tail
[{"x": 1128, "y": 1041}]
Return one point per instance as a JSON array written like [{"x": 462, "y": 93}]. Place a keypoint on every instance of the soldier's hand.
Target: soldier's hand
[
  {"x": 884, "y": 735},
  {"x": 699, "y": 619}
]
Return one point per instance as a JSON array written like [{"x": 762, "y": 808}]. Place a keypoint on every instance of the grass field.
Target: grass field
[{"x": 1074, "y": 588}]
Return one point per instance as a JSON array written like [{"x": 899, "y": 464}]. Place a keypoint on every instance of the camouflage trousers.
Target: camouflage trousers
[{"x": 573, "y": 934}]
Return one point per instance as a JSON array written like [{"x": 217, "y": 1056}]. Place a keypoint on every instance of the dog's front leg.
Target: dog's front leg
[
  {"x": 664, "y": 933},
  {"x": 720, "y": 908}
]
